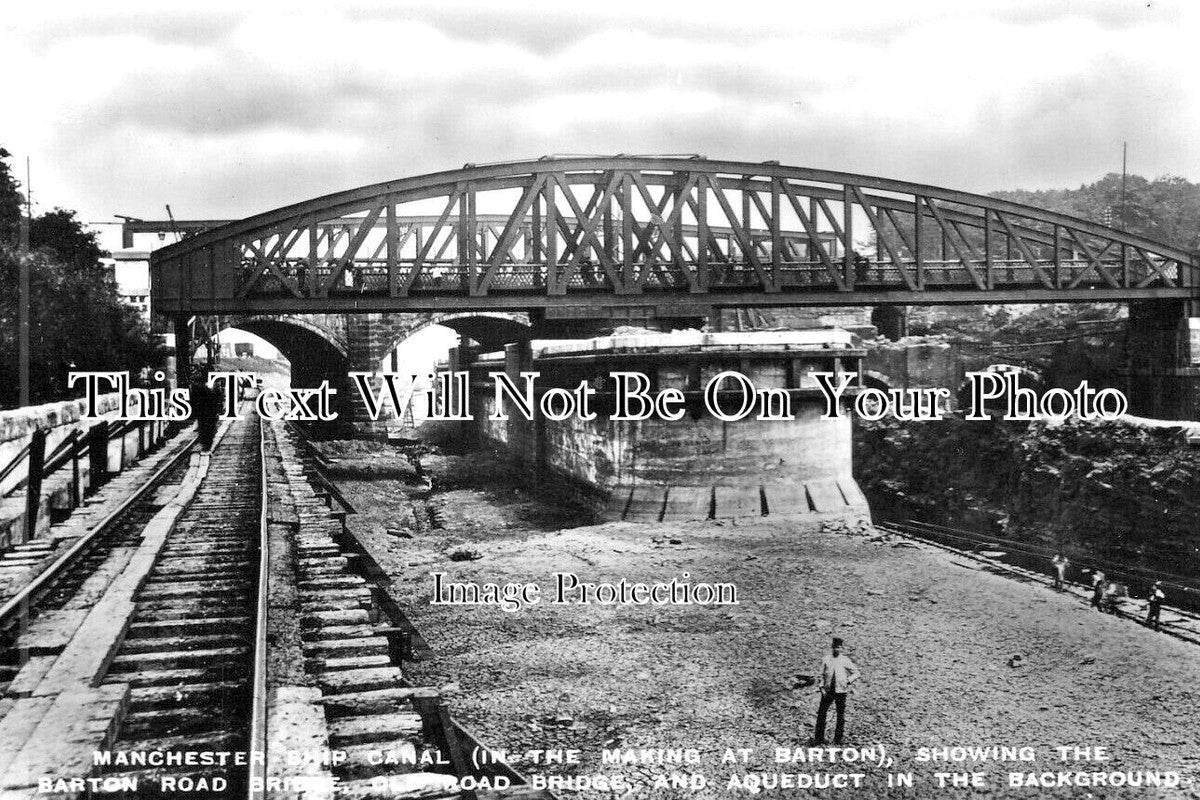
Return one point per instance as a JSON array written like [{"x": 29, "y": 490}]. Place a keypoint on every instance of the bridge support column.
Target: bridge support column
[
  {"x": 891, "y": 321},
  {"x": 1162, "y": 356},
  {"x": 523, "y": 436},
  {"x": 181, "y": 371},
  {"x": 459, "y": 359},
  {"x": 311, "y": 372},
  {"x": 368, "y": 340}
]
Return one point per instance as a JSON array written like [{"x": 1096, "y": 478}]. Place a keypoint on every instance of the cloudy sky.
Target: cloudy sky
[{"x": 237, "y": 107}]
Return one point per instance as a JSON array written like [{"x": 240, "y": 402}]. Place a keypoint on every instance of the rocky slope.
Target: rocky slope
[{"x": 1112, "y": 490}]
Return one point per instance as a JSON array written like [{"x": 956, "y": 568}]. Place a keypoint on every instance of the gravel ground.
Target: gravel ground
[{"x": 950, "y": 656}]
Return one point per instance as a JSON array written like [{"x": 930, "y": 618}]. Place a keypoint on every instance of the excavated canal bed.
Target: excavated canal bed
[{"x": 950, "y": 655}]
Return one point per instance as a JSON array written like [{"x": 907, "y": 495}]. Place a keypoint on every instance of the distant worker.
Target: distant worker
[
  {"x": 1111, "y": 601},
  {"x": 1097, "y": 588},
  {"x": 206, "y": 409},
  {"x": 1060, "y": 563},
  {"x": 862, "y": 267},
  {"x": 837, "y": 673},
  {"x": 1156, "y": 600}
]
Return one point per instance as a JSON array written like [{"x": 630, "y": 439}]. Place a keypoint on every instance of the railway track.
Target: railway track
[
  {"x": 140, "y": 640},
  {"x": 140, "y": 660},
  {"x": 1030, "y": 563},
  {"x": 189, "y": 651},
  {"x": 46, "y": 574},
  {"x": 396, "y": 740}
]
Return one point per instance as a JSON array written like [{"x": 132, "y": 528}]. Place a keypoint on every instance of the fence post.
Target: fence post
[
  {"x": 33, "y": 482},
  {"x": 76, "y": 488},
  {"x": 122, "y": 432},
  {"x": 98, "y": 455}
]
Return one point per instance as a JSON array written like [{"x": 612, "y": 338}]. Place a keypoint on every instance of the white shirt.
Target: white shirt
[{"x": 837, "y": 673}]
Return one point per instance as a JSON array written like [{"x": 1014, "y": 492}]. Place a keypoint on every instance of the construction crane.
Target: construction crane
[{"x": 174, "y": 230}]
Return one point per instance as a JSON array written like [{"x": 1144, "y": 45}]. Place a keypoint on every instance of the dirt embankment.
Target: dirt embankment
[
  {"x": 950, "y": 655},
  {"x": 1108, "y": 490}
]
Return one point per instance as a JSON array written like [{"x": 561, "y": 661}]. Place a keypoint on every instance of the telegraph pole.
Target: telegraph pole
[
  {"x": 1124, "y": 175},
  {"x": 23, "y": 295}
]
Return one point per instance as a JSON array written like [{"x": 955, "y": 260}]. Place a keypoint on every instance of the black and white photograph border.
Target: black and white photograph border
[{"x": 647, "y": 400}]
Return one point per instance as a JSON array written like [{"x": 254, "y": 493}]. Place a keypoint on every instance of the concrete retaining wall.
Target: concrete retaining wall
[{"x": 699, "y": 466}]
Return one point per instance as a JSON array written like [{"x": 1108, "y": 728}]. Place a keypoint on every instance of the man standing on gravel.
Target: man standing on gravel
[
  {"x": 1155, "y": 605},
  {"x": 1097, "y": 588},
  {"x": 1060, "y": 570},
  {"x": 837, "y": 673}
]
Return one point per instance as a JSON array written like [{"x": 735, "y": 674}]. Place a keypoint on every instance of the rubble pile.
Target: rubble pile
[{"x": 848, "y": 526}]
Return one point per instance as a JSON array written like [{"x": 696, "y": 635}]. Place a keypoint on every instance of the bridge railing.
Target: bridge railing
[{"x": 446, "y": 276}]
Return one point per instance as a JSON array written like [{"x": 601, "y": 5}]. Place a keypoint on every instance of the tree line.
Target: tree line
[
  {"x": 78, "y": 320},
  {"x": 1165, "y": 209}
]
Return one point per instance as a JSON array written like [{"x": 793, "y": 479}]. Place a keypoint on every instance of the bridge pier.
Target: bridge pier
[
  {"x": 521, "y": 435},
  {"x": 891, "y": 321},
  {"x": 369, "y": 338},
  {"x": 697, "y": 466},
  {"x": 1162, "y": 352}
]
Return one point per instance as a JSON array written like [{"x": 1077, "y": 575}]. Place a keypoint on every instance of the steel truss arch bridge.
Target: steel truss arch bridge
[{"x": 677, "y": 236}]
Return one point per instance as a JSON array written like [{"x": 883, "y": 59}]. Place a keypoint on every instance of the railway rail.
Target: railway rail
[
  {"x": 132, "y": 641},
  {"x": 188, "y": 652},
  {"x": 217, "y": 622},
  {"x": 46, "y": 572},
  {"x": 1030, "y": 563},
  {"x": 396, "y": 739}
]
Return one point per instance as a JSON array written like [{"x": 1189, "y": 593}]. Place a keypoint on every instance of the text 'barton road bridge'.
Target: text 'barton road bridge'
[{"x": 677, "y": 236}]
